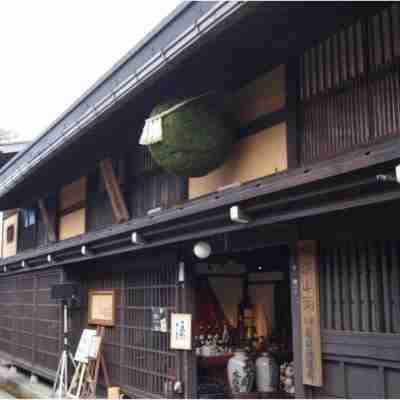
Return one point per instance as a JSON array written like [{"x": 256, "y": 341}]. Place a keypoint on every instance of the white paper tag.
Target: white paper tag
[{"x": 152, "y": 131}]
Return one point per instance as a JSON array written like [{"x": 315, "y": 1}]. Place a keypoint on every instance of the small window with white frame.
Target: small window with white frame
[{"x": 28, "y": 217}]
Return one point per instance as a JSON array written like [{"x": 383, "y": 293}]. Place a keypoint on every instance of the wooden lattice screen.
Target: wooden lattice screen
[
  {"x": 360, "y": 286},
  {"x": 350, "y": 87},
  {"x": 30, "y": 321},
  {"x": 152, "y": 187},
  {"x": 139, "y": 360}
]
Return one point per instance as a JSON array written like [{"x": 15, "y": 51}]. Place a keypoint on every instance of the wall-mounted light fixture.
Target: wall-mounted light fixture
[
  {"x": 181, "y": 273},
  {"x": 24, "y": 264},
  {"x": 49, "y": 258},
  {"x": 238, "y": 215},
  {"x": 137, "y": 238},
  {"x": 5, "y": 268},
  {"x": 390, "y": 177},
  {"x": 202, "y": 250},
  {"x": 85, "y": 251}
]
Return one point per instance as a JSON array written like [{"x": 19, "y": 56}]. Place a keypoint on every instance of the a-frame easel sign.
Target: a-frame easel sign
[{"x": 89, "y": 354}]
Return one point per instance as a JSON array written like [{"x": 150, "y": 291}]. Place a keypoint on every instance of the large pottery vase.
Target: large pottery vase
[
  {"x": 267, "y": 374},
  {"x": 241, "y": 372}
]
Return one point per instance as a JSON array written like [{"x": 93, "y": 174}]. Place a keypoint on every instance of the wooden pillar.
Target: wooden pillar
[
  {"x": 296, "y": 322},
  {"x": 187, "y": 305},
  {"x": 292, "y": 104}
]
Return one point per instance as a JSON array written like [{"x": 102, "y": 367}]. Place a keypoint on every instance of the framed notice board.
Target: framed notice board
[{"x": 101, "y": 307}]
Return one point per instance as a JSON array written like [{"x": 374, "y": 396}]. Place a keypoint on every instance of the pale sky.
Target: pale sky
[{"x": 51, "y": 51}]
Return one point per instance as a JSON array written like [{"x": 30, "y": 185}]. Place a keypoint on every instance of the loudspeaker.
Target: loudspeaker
[{"x": 65, "y": 291}]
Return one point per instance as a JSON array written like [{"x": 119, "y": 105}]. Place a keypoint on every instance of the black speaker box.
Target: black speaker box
[{"x": 65, "y": 291}]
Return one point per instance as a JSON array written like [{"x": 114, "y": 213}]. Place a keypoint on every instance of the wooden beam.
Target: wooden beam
[
  {"x": 51, "y": 234},
  {"x": 114, "y": 191}
]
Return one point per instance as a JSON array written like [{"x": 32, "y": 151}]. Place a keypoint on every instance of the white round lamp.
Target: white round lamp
[{"x": 202, "y": 250}]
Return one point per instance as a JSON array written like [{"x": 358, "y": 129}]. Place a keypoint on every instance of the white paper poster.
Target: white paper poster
[
  {"x": 181, "y": 331},
  {"x": 85, "y": 345}
]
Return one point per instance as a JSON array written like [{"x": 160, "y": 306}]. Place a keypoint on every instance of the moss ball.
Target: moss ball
[{"x": 196, "y": 139}]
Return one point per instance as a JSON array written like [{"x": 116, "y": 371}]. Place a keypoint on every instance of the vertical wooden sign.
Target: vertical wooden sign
[{"x": 310, "y": 312}]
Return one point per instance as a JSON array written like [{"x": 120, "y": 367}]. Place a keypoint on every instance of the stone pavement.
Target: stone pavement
[{"x": 15, "y": 384}]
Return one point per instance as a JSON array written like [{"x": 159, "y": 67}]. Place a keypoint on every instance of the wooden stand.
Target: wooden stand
[{"x": 84, "y": 381}]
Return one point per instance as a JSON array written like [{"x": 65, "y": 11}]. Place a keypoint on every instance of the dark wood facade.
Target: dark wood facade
[
  {"x": 342, "y": 110},
  {"x": 30, "y": 321}
]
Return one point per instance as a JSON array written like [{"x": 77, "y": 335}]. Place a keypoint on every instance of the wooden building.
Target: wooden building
[{"x": 313, "y": 93}]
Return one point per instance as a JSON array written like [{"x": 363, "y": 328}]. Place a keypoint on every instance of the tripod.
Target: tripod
[{"x": 61, "y": 383}]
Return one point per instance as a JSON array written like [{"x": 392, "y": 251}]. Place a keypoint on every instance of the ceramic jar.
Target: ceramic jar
[
  {"x": 241, "y": 372},
  {"x": 267, "y": 373}
]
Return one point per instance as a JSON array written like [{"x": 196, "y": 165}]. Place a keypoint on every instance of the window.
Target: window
[
  {"x": 28, "y": 217},
  {"x": 10, "y": 233}
]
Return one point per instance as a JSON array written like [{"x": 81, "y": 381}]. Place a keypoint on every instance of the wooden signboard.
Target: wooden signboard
[
  {"x": 101, "y": 307},
  {"x": 310, "y": 312}
]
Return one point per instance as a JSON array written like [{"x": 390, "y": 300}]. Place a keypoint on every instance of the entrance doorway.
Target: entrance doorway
[{"x": 243, "y": 311}]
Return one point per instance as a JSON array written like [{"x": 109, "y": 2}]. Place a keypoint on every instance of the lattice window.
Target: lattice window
[
  {"x": 139, "y": 359},
  {"x": 360, "y": 286},
  {"x": 350, "y": 91}
]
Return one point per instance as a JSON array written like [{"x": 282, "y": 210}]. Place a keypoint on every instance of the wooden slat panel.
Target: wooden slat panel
[
  {"x": 360, "y": 281},
  {"x": 387, "y": 307},
  {"x": 345, "y": 284},
  {"x": 355, "y": 289},
  {"x": 329, "y": 291},
  {"x": 350, "y": 90},
  {"x": 395, "y": 285},
  {"x": 338, "y": 315},
  {"x": 30, "y": 333},
  {"x": 375, "y": 288},
  {"x": 365, "y": 295},
  {"x": 140, "y": 360}
]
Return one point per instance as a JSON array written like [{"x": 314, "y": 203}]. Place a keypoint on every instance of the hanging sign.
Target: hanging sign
[
  {"x": 181, "y": 331},
  {"x": 310, "y": 312}
]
